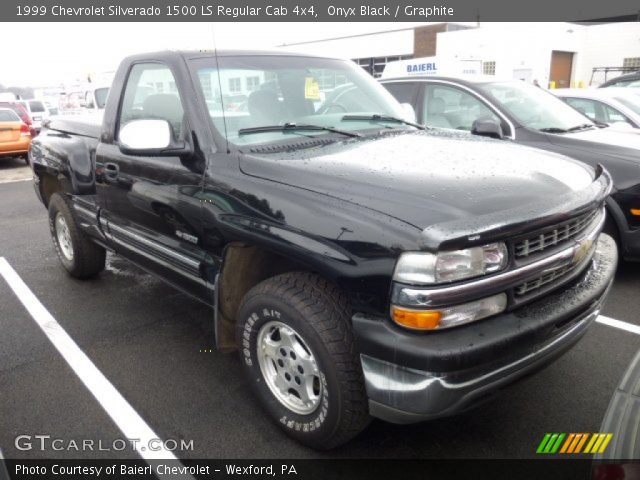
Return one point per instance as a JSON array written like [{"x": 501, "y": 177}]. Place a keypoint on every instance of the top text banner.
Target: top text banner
[{"x": 316, "y": 10}]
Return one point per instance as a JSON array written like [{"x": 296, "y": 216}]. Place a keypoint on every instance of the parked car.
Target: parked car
[
  {"x": 629, "y": 80},
  {"x": 22, "y": 113},
  {"x": 617, "y": 107},
  {"x": 360, "y": 265},
  {"x": 15, "y": 136},
  {"x": 37, "y": 111},
  {"x": 519, "y": 112},
  {"x": 95, "y": 98}
]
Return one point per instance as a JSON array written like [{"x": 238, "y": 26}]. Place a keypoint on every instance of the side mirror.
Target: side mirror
[
  {"x": 149, "y": 137},
  {"x": 487, "y": 127},
  {"x": 410, "y": 113}
]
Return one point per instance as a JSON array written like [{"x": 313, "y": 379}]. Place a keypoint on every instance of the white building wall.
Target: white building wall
[
  {"x": 520, "y": 50},
  {"x": 381, "y": 44},
  {"x": 607, "y": 45}
]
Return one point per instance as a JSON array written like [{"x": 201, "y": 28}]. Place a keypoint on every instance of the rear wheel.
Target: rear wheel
[
  {"x": 298, "y": 352},
  {"x": 78, "y": 254}
]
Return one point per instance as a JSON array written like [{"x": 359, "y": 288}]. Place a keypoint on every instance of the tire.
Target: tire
[
  {"x": 78, "y": 254},
  {"x": 317, "y": 316}
]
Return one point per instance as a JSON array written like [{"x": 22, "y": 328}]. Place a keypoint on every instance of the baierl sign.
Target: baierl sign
[
  {"x": 432, "y": 66},
  {"x": 414, "y": 66},
  {"x": 422, "y": 68}
]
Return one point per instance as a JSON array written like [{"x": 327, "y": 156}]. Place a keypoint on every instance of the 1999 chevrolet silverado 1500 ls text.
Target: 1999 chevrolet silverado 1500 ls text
[{"x": 360, "y": 265}]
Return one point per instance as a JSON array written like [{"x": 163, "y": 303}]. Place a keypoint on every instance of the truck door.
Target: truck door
[{"x": 152, "y": 203}]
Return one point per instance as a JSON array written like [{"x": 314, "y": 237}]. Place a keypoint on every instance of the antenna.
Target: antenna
[{"x": 224, "y": 117}]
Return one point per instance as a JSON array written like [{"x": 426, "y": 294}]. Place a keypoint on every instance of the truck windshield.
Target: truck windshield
[
  {"x": 535, "y": 108},
  {"x": 251, "y": 92}
]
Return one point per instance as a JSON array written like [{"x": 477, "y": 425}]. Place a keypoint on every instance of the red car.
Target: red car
[{"x": 22, "y": 113}]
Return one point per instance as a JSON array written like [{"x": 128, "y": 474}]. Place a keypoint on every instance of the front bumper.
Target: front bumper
[{"x": 412, "y": 377}]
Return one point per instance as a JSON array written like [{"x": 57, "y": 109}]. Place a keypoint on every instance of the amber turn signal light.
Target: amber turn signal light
[
  {"x": 635, "y": 212},
  {"x": 416, "y": 319}
]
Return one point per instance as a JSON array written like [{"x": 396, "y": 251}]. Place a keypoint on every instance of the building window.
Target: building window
[
  {"x": 235, "y": 85},
  {"x": 489, "y": 68},
  {"x": 252, "y": 83},
  {"x": 375, "y": 66},
  {"x": 631, "y": 63},
  {"x": 159, "y": 87}
]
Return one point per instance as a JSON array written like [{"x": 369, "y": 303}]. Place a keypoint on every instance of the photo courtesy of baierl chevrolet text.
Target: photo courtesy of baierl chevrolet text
[{"x": 308, "y": 239}]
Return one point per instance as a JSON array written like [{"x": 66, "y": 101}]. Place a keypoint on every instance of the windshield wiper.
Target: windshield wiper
[
  {"x": 584, "y": 126},
  {"x": 382, "y": 118},
  {"x": 553, "y": 130},
  {"x": 295, "y": 127}
]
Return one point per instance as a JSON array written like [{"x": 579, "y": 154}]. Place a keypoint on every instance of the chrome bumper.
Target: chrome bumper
[
  {"x": 423, "y": 395},
  {"x": 400, "y": 393}
]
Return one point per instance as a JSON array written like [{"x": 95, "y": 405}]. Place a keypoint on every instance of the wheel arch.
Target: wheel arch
[{"x": 243, "y": 267}]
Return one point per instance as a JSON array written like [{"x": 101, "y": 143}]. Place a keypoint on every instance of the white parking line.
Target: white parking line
[
  {"x": 612, "y": 322},
  {"x": 18, "y": 180},
  {"x": 123, "y": 414}
]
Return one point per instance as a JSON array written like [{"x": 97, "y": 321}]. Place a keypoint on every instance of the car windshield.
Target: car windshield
[
  {"x": 631, "y": 102},
  {"x": 7, "y": 115},
  {"x": 295, "y": 93},
  {"x": 36, "y": 106},
  {"x": 534, "y": 107},
  {"x": 101, "y": 97},
  {"x": 631, "y": 83}
]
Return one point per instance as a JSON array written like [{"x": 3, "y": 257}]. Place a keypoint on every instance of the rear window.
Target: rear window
[
  {"x": 7, "y": 115},
  {"x": 36, "y": 107}
]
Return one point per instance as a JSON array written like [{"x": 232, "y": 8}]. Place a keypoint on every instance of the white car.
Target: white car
[
  {"x": 96, "y": 98},
  {"x": 617, "y": 107},
  {"x": 37, "y": 110}
]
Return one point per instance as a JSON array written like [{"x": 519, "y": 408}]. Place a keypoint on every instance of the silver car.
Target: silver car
[{"x": 617, "y": 107}]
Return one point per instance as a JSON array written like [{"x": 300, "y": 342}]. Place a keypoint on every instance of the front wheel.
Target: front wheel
[{"x": 298, "y": 352}]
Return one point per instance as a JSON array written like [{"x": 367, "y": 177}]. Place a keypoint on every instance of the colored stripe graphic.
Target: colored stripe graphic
[
  {"x": 607, "y": 439},
  {"x": 573, "y": 443},
  {"x": 593, "y": 439},
  {"x": 582, "y": 441},
  {"x": 544, "y": 441},
  {"x": 567, "y": 443},
  {"x": 550, "y": 443}
]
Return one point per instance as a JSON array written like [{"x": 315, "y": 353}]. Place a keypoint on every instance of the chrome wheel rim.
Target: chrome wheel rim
[
  {"x": 289, "y": 367},
  {"x": 64, "y": 237}
]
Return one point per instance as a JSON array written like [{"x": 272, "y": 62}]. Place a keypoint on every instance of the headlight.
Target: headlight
[
  {"x": 422, "y": 268},
  {"x": 449, "y": 316}
]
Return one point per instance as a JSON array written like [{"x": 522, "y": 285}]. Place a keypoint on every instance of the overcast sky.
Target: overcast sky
[{"x": 50, "y": 53}]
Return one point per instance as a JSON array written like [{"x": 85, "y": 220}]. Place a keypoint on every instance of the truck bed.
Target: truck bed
[{"x": 86, "y": 125}]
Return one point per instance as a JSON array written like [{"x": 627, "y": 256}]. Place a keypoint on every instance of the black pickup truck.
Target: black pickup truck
[{"x": 361, "y": 265}]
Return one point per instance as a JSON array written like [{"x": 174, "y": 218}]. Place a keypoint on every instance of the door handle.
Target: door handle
[{"x": 111, "y": 170}]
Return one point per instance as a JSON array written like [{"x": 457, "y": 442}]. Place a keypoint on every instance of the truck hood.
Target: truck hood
[{"x": 425, "y": 177}]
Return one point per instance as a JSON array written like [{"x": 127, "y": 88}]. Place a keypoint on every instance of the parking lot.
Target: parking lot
[{"x": 149, "y": 341}]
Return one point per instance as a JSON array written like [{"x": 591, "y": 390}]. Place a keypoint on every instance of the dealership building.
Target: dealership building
[{"x": 556, "y": 54}]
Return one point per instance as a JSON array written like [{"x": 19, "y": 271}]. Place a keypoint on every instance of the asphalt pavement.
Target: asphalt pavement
[{"x": 151, "y": 342}]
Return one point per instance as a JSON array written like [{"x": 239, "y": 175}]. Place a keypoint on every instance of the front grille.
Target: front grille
[
  {"x": 553, "y": 236},
  {"x": 545, "y": 279}
]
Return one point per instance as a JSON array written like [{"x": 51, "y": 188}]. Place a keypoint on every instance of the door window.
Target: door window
[
  {"x": 450, "y": 107},
  {"x": 148, "y": 95},
  {"x": 403, "y": 92},
  {"x": 597, "y": 111},
  {"x": 614, "y": 116}
]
